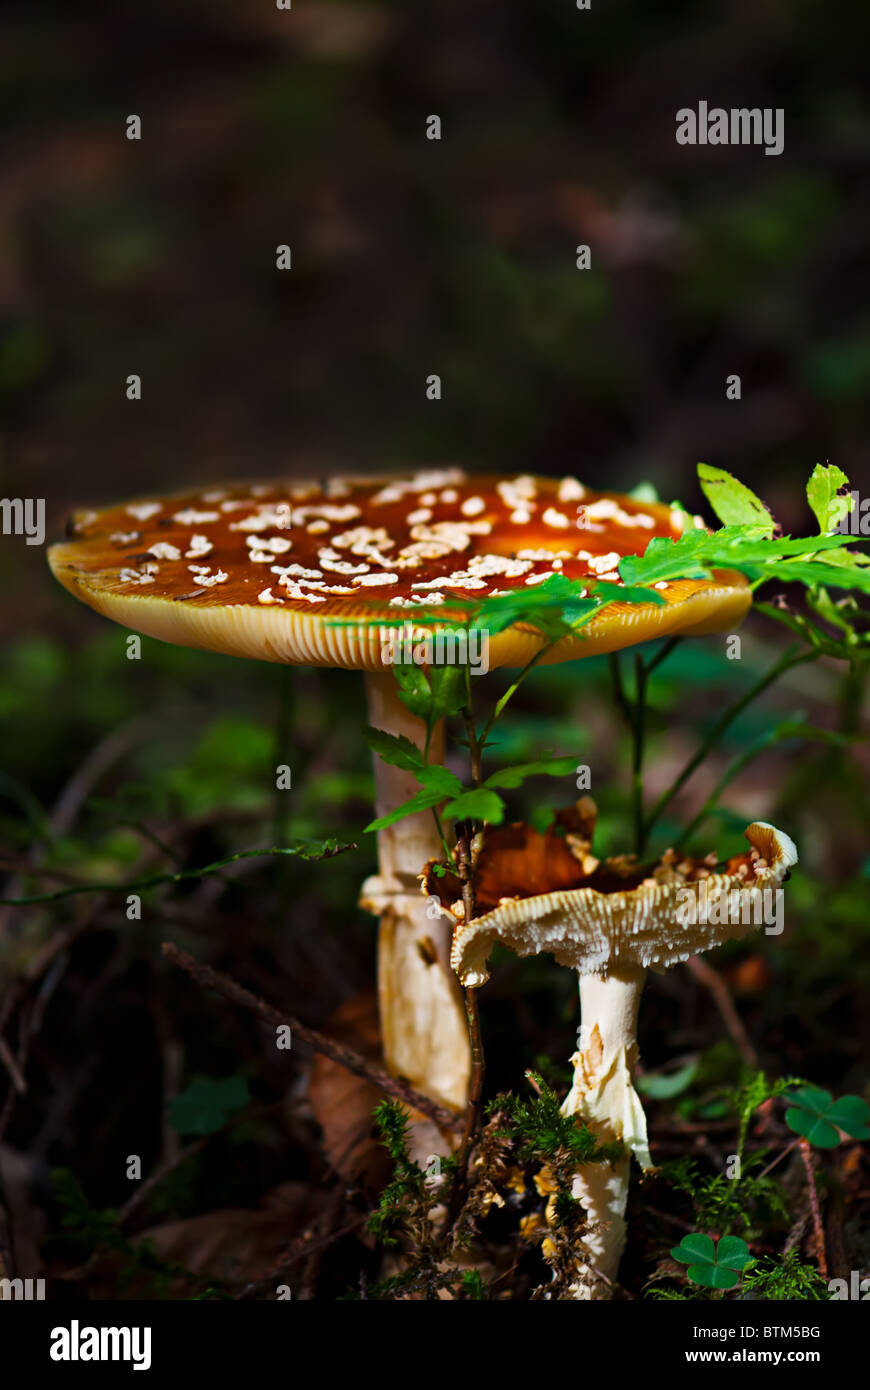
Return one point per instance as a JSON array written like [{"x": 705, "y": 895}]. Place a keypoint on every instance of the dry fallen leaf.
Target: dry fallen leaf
[{"x": 343, "y": 1103}]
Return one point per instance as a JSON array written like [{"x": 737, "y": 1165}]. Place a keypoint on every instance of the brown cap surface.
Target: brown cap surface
[{"x": 306, "y": 572}]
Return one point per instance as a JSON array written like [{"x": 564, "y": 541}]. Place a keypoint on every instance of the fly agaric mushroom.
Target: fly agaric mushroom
[
  {"x": 309, "y": 574},
  {"x": 610, "y": 921}
]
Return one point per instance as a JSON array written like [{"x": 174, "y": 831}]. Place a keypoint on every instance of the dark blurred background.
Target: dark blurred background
[{"x": 306, "y": 127}]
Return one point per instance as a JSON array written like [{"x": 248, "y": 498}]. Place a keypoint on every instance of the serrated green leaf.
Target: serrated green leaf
[
  {"x": 414, "y": 690},
  {"x": 608, "y": 592},
  {"x": 397, "y": 750},
  {"x": 422, "y": 801},
  {"x": 847, "y": 558},
  {"x": 823, "y": 490},
  {"x": 787, "y": 560},
  {"x": 436, "y": 778},
  {"x": 516, "y": 776},
  {"x": 437, "y": 784},
  {"x": 479, "y": 803},
  {"x": 447, "y": 684},
  {"x": 812, "y": 572},
  {"x": 733, "y": 502},
  {"x": 553, "y": 608}
]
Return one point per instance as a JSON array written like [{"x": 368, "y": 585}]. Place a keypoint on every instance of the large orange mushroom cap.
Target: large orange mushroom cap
[{"x": 307, "y": 572}]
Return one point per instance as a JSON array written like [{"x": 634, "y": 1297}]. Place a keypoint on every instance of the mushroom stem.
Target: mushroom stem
[
  {"x": 423, "y": 1027},
  {"x": 603, "y": 1097}
]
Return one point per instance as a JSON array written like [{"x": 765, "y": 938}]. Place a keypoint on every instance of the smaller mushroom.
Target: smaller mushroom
[{"x": 610, "y": 921}]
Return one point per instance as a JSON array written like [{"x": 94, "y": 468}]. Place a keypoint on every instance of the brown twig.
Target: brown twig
[
  {"x": 721, "y": 996},
  {"x": 393, "y": 1086},
  {"x": 780, "y": 1156},
  {"x": 297, "y": 1250},
  {"x": 818, "y": 1228},
  {"x": 145, "y": 1188},
  {"x": 15, "y": 1072},
  {"x": 314, "y": 1254}
]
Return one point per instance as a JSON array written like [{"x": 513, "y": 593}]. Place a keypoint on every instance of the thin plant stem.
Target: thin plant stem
[
  {"x": 780, "y": 1156},
  {"x": 619, "y": 694},
  {"x": 155, "y": 880},
  {"x": 439, "y": 826},
  {"x": 663, "y": 653},
  {"x": 513, "y": 688},
  {"x": 785, "y": 663},
  {"x": 639, "y": 735},
  {"x": 727, "y": 777}
]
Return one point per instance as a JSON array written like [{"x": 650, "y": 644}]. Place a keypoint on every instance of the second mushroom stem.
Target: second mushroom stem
[{"x": 603, "y": 1097}]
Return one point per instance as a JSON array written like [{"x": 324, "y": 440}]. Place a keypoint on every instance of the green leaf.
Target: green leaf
[
  {"x": 852, "y": 1115},
  {"x": 694, "y": 1247},
  {"x": 644, "y": 492},
  {"x": 205, "y": 1106},
  {"x": 420, "y": 802},
  {"x": 609, "y": 592},
  {"x": 709, "y": 1266},
  {"x": 847, "y": 558},
  {"x": 437, "y": 782},
  {"x": 818, "y": 1118},
  {"x": 553, "y": 608},
  {"x": 436, "y": 778},
  {"x": 546, "y": 766},
  {"x": 834, "y": 575},
  {"x": 732, "y": 1252},
  {"x": 733, "y": 502},
  {"x": 447, "y": 685},
  {"x": 397, "y": 750},
  {"x": 823, "y": 495},
  {"x": 666, "y": 1087},
  {"x": 745, "y": 548},
  {"x": 477, "y": 804},
  {"x": 414, "y": 690}
]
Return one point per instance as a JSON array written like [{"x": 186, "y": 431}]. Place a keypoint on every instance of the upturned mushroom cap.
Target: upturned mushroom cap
[
  {"x": 614, "y": 914},
  {"x": 305, "y": 573}
]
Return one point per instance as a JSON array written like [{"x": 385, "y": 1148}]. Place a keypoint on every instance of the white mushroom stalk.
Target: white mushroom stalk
[
  {"x": 423, "y": 1027},
  {"x": 611, "y": 938},
  {"x": 603, "y": 1098}
]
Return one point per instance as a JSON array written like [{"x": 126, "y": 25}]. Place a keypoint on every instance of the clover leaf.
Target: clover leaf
[
  {"x": 713, "y": 1267},
  {"x": 206, "y": 1105},
  {"x": 818, "y": 1118}
]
